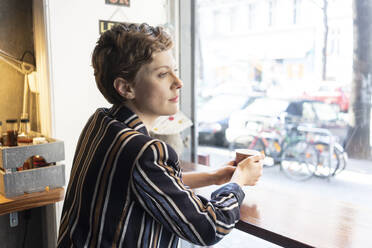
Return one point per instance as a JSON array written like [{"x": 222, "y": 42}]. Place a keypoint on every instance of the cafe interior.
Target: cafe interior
[{"x": 48, "y": 91}]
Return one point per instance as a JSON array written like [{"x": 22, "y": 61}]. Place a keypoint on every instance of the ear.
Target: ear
[{"x": 124, "y": 88}]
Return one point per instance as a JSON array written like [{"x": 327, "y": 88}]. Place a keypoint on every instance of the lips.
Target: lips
[{"x": 175, "y": 99}]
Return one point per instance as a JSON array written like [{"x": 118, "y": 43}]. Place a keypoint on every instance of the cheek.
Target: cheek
[
  {"x": 156, "y": 92},
  {"x": 150, "y": 94}
]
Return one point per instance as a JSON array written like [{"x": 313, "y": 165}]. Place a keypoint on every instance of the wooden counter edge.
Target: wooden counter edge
[
  {"x": 269, "y": 236},
  {"x": 32, "y": 200}
]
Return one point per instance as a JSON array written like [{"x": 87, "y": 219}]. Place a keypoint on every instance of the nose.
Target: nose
[{"x": 177, "y": 82}]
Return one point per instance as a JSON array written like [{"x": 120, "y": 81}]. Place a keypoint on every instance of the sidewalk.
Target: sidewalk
[
  {"x": 219, "y": 156},
  {"x": 360, "y": 166}
]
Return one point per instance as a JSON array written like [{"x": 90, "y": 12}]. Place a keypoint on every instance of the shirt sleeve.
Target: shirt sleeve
[{"x": 159, "y": 188}]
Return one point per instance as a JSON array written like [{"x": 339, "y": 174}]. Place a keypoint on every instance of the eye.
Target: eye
[{"x": 163, "y": 74}]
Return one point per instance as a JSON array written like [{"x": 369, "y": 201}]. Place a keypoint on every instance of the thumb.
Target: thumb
[{"x": 232, "y": 163}]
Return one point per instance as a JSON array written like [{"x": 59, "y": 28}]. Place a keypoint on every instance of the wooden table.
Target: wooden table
[
  {"x": 32, "y": 200},
  {"x": 295, "y": 220}
]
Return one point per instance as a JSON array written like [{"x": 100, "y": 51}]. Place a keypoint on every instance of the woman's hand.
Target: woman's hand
[
  {"x": 248, "y": 171},
  {"x": 223, "y": 175}
]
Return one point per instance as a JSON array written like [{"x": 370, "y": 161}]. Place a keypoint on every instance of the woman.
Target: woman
[{"x": 126, "y": 189}]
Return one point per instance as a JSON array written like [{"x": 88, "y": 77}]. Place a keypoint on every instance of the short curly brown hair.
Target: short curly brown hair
[{"x": 121, "y": 51}]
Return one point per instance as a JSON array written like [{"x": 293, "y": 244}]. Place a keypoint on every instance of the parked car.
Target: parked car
[
  {"x": 214, "y": 115},
  {"x": 247, "y": 121},
  {"x": 320, "y": 115},
  {"x": 331, "y": 95},
  {"x": 269, "y": 111}
]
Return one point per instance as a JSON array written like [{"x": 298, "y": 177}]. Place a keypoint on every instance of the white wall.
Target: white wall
[{"x": 73, "y": 32}]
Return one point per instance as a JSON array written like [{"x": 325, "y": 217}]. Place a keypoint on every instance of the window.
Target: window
[
  {"x": 308, "y": 113},
  {"x": 271, "y": 79}
]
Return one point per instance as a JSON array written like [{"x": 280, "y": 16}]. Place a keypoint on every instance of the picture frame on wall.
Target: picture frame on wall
[
  {"x": 118, "y": 2},
  {"x": 105, "y": 25}
]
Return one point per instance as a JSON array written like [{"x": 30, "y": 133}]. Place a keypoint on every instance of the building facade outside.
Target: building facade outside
[{"x": 272, "y": 43}]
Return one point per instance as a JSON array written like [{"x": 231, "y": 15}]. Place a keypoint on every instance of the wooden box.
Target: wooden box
[{"x": 14, "y": 183}]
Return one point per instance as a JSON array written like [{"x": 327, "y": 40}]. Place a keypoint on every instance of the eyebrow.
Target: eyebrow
[{"x": 163, "y": 66}]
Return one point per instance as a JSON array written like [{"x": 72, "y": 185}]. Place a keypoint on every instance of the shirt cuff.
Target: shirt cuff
[{"x": 230, "y": 188}]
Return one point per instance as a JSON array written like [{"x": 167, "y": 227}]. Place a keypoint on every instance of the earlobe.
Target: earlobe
[{"x": 124, "y": 88}]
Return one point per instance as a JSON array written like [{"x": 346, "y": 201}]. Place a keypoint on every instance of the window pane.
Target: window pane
[{"x": 273, "y": 73}]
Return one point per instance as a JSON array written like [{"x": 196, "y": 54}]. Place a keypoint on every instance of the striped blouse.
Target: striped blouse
[{"x": 126, "y": 190}]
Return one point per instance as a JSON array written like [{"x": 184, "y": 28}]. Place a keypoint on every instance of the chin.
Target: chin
[{"x": 171, "y": 111}]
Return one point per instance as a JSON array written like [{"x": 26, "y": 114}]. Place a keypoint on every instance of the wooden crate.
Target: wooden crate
[
  {"x": 14, "y": 183},
  {"x": 15, "y": 156}
]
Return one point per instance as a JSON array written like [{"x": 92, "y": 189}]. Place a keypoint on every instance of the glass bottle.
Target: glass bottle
[
  {"x": 38, "y": 161},
  {"x": 24, "y": 136},
  {"x": 10, "y": 138}
]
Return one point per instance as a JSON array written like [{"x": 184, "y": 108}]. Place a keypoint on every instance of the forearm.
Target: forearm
[
  {"x": 198, "y": 179},
  {"x": 158, "y": 185}
]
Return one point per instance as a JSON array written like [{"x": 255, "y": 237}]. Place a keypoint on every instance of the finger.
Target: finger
[
  {"x": 248, "y": 161},
  {"x": 230, "y": 167},
  {"x": 256, "y": 158},
  {"x": 232, "y": 162},
  {"x": 260, "y": 162}
]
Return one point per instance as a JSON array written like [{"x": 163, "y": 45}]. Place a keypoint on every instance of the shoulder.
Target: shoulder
[
  {"x": 162, "y": 150},
  {"x": 159, "y": 152},
  {"x": 144, "y": 147}
]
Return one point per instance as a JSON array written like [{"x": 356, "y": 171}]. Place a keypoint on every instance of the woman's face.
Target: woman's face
[{"x": 157, "y": 86}]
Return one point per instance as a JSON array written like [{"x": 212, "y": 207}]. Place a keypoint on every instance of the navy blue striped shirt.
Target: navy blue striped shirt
[{"x": 126, "y": 190}]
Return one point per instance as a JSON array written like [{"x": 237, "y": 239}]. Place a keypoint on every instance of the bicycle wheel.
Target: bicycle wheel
[
  {"x": 272, "y": 150},
  {"x": 261, "y": 145},
  {"x": 299, "y": 160},
  {"x": 338, "y": 160},
  {"x": 258, "y": 145},
  {"x": 325, "y": 167},
  {"x": 250, "y": 142},
  {"x": 343, "y": 159}
]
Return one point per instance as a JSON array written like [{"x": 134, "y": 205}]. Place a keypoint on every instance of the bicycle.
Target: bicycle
[
  {"x": 285, "y": 146},
  {"x": 298, "y": 149},
  {"x": 265, "y": 139},
  {"x": 329, "y": 165}
]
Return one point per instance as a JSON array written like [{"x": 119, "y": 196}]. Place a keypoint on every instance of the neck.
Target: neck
[{"x": 147, "y": 119}]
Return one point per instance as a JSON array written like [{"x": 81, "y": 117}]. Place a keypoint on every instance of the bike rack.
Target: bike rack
[{"x": 321, "y": 131}]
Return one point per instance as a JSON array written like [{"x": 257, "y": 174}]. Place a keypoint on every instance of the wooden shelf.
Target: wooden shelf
[{"x": 32, "y": 200}]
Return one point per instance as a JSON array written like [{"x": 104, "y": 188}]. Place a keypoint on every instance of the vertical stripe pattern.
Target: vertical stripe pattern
[{"x": 126, "y": 190}]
